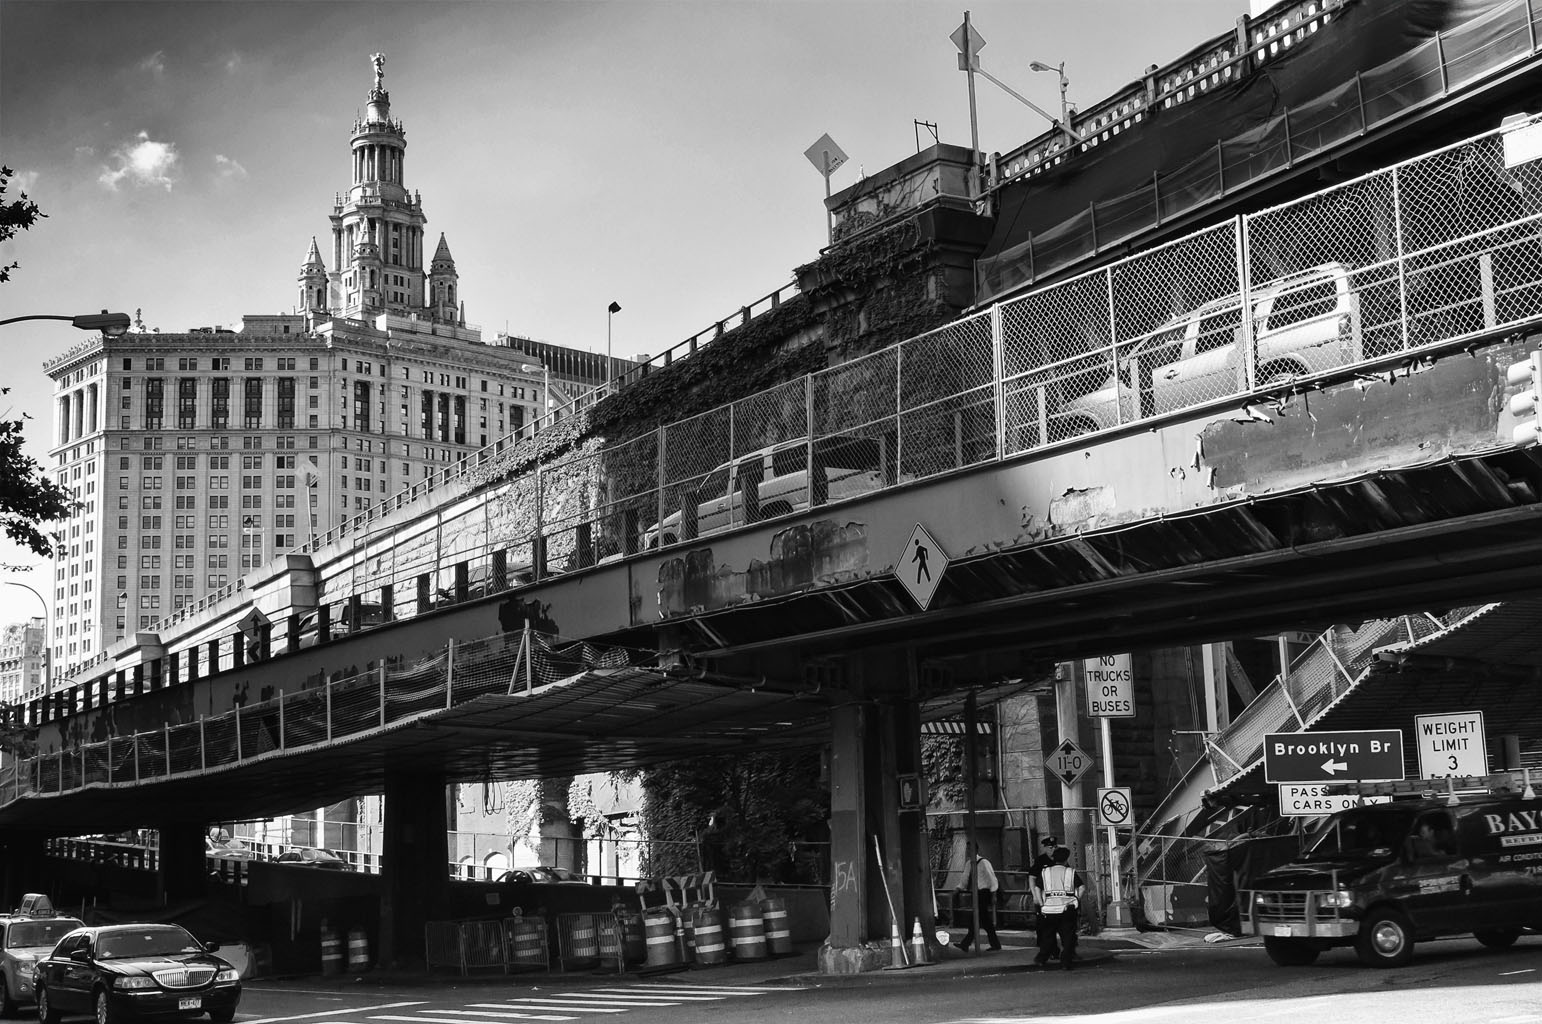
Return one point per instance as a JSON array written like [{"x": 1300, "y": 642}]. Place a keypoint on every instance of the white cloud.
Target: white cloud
[
  {"x": 227, "y": 169},
  {"x": 143, "y": 162},
  {"x": 155, "y": 63},
  {"x": 233, "y": 61},
  {"x": 24, "y": 181}
]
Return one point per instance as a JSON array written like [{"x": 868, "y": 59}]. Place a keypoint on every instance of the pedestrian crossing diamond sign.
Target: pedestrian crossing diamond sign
[{"x": 920, "y": 566}]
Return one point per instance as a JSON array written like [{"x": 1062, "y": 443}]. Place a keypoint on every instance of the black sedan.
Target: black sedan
[{"x": 124, "y": 972}]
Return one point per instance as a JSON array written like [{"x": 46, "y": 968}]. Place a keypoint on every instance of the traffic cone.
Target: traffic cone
[
  {"x": 896, "y": 947},
  {"x": 917, "y": 944}
]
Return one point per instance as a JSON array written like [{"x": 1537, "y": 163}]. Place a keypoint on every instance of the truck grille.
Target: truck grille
[{"x": 1281, "y": 907}]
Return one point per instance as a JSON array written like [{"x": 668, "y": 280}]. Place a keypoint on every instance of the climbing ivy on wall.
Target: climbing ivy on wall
[{"x": 753, "y": 818}]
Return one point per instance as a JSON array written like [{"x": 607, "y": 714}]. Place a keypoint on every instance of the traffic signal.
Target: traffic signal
[{"x": 1527, "y": 406}]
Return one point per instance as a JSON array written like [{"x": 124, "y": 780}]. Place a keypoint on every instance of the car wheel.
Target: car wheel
[
  {"x": 105, "y": 1014},
  {"x": 1498, "y": 938},
  {"x": 1291, "y": 952},
  {"x": 1385, "y": 939},
  {"x": 223, "y": 1016},
  {"x": 8, "y": 1006},
  {"x": 46, "y": 1014}
]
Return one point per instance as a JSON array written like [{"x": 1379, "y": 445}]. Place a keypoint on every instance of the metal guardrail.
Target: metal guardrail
[{"x": 1453, "y": 58}]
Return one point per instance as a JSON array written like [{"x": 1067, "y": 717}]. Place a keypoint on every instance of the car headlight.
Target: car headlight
[
  {"x": 134, "y": 982},
  {"x": 227, "y": 976},
  {"x": 1335, "y": 899}
]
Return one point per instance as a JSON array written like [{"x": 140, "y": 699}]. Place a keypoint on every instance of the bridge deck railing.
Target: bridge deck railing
[{"x": 1382, "y": 273}]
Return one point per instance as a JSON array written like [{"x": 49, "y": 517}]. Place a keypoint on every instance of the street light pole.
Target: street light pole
[
  {"x": 610, "y": 313},
  {"x": 48, "y": 659},
  {"x": 113, "y": 325}
]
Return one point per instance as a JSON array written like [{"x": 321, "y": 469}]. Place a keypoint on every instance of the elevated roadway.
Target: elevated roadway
[{"x": 1289, "y": 420}]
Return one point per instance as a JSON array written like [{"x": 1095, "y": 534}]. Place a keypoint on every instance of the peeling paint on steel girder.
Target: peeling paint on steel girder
[
  {"x": 1455, "y": 405},
  {"x": 822, "y": 553},
  {"x": 1175, "y": 562}
]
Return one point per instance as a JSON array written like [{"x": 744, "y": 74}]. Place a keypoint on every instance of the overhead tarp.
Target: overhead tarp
[{"x": 1374, "y": 61}]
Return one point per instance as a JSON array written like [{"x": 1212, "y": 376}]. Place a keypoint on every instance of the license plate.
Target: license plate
[
  {"x": 1280, "y": 929},
  {"x": 189, "y": 1003}
]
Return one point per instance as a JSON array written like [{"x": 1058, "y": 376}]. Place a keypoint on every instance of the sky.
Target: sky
[{"x": 574, "y": 153}]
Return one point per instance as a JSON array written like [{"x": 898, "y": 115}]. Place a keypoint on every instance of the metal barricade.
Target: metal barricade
[
  {"x": 589, "y": 940},
  {"x": 524, "y": 943},
  {"x": 464, "y": 945}
]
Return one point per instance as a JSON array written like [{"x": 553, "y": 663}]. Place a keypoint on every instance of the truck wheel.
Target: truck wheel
[
  {"x": 1291, "y": 952},
  {"x": 1498, "y": 938},
  {"x": 8, "y": 1006},
  {"x": 1385, "y": 939}
]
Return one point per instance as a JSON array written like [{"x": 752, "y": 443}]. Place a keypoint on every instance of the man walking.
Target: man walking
[
  {"x": 1059, "y": 890},
  {"x": 982, "y": 878}
]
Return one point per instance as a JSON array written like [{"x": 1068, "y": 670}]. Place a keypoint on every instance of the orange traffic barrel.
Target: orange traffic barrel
[
  {"x": 331, "y": 950},
  {"x": 707, "y": 932},
  {"x": 659, "y": 937},
  {"x": 746, "y": 931},
  {"x": 773, "y": 915},
  {"x": 358, "y": 950},
  {"x": 526, "y": 938}
]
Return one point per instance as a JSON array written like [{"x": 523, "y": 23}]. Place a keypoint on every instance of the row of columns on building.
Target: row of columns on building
[
  {"x": 378, "y": 163},
  {"x": 79, "y": 411}
]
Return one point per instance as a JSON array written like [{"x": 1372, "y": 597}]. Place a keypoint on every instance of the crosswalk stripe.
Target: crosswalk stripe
[
  {"x": 536, "y": 1004},
  {"x": 694, "y": 997},
  {"x": 583, "y": 999},
  {"x": 456, "y": 1020},
  {"x": 727, "y": 990}
]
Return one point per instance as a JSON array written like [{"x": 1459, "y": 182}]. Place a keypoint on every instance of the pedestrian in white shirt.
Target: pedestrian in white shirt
[{"x": 982, "y": 878}]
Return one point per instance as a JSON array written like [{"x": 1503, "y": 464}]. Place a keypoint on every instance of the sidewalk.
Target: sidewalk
[{"x": 798, "y": 969}]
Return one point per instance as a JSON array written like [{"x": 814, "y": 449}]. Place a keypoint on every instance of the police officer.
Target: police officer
[
  {"x": 1059, "y": 890},
  {"x": 1049, "y": 945}
]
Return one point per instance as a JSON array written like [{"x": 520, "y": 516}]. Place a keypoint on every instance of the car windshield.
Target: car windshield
[
  {"x": 24, "y": 934},
  {"x": 1361, "y": 833},
  {"x": 159, "y": 940}
]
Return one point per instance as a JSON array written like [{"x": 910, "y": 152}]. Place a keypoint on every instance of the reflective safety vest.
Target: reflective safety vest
[{"x": 1059, "y": 889}]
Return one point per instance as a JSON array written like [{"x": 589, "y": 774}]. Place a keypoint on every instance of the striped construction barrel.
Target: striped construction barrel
[
  {"x": 358, "y": 949},
  {"x": 773, "y": 914},
  {"x": 659, "y": 937},
  {"x": 746, "y": 931},
  {"x": 526, "y": 938},
  {"x": 707, "y": 929},
  {"x": 331, "y": 951}
]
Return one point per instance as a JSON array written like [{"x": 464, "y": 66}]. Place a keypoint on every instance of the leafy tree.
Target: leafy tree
[{"x": 28, "y": 498}]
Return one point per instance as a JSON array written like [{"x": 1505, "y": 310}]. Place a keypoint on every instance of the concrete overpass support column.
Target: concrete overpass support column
[
  {"x": 911, "y": 864},
  {"x": 414, "y": 863},
  {"x": 181, "y": 874},
  {"x": 871, "y": 745}
]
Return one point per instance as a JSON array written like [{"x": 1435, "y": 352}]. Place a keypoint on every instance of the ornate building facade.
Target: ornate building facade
[{"x": 195, "y": 457}]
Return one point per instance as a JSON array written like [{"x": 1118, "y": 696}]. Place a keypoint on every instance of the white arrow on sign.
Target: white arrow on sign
[{"x": 1330, "y": 766}]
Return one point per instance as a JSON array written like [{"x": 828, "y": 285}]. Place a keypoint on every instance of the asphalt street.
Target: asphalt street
[{"x": 1193, "y": 982}]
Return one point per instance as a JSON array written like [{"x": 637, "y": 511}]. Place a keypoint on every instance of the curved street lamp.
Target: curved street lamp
[
  {"x": 47, "y": 640},
  {"x": 113, "y": 325}
]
